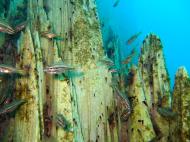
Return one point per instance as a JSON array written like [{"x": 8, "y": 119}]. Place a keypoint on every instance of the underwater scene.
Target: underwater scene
[{"x": 94, "y": 71}]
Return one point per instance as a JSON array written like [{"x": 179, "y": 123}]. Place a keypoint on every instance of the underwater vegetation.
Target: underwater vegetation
[{"x": 61, "y": 82}]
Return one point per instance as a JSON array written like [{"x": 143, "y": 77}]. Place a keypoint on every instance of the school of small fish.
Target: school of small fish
[
  {"x": 10, "y": 106},
  {"x": 8, "y": 29}
]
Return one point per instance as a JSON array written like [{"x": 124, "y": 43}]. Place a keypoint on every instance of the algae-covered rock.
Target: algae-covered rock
[
  {"x": 27, "y": 123},
  {"x": 156, "y": 83},
  {"x": 60, "y": 103},
  {"x": 86, "y": 101},
  {"x": 154, "y": 72},
  {"x": 140, "y": 125},
  {"x": 180, "y": 130},
  {"x": 80, "y": 105},
  {"x": 92, "y": 91}
]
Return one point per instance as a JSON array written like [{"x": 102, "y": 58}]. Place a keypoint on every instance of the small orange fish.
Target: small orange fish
[
  {"x": 133, "y": 38},
  {"x": 128, "y": 59}
]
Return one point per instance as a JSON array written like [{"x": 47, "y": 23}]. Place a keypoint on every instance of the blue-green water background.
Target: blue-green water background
[{"x": 170, "y": 19}]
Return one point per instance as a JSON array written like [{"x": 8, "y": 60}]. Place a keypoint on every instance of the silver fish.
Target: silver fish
[
  {"x": 52, "y": 70},
  {"x": 63, "y": 123},
  {"x": 6, "y": 28},
  {"x": 58, "y": 68},
  {"x": 9, "y": 70}
]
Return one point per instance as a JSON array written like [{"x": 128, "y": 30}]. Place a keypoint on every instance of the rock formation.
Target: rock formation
[
  {"x": 86, "y": 100},
  {"x": 156, "y": 83},
  {"x": 180, "y": 130},
  {"x": 166, "y": 116},
  {"x": 81, "y": 105},
  {"x": 140, "y": 124}
]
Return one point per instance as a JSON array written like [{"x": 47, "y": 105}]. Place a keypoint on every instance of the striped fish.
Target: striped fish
[
  {"x": 6, "y": 28},
  {"x": 124, "y": 101},
  {"x": 58, "y": 68},
  {"x": 63, "y": 123},
  {"x": 11, "y": 106},
  {"x": 133, "y": 38}
]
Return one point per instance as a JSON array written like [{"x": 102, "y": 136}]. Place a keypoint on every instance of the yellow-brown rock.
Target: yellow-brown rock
[
  {"x": 27, "y": 123},
  {"x": 140, "y": 125},
  {"x": 180, "y": 130},
  {"x": 155, "y": 82},
  {"x": 86, "y": 101}
]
